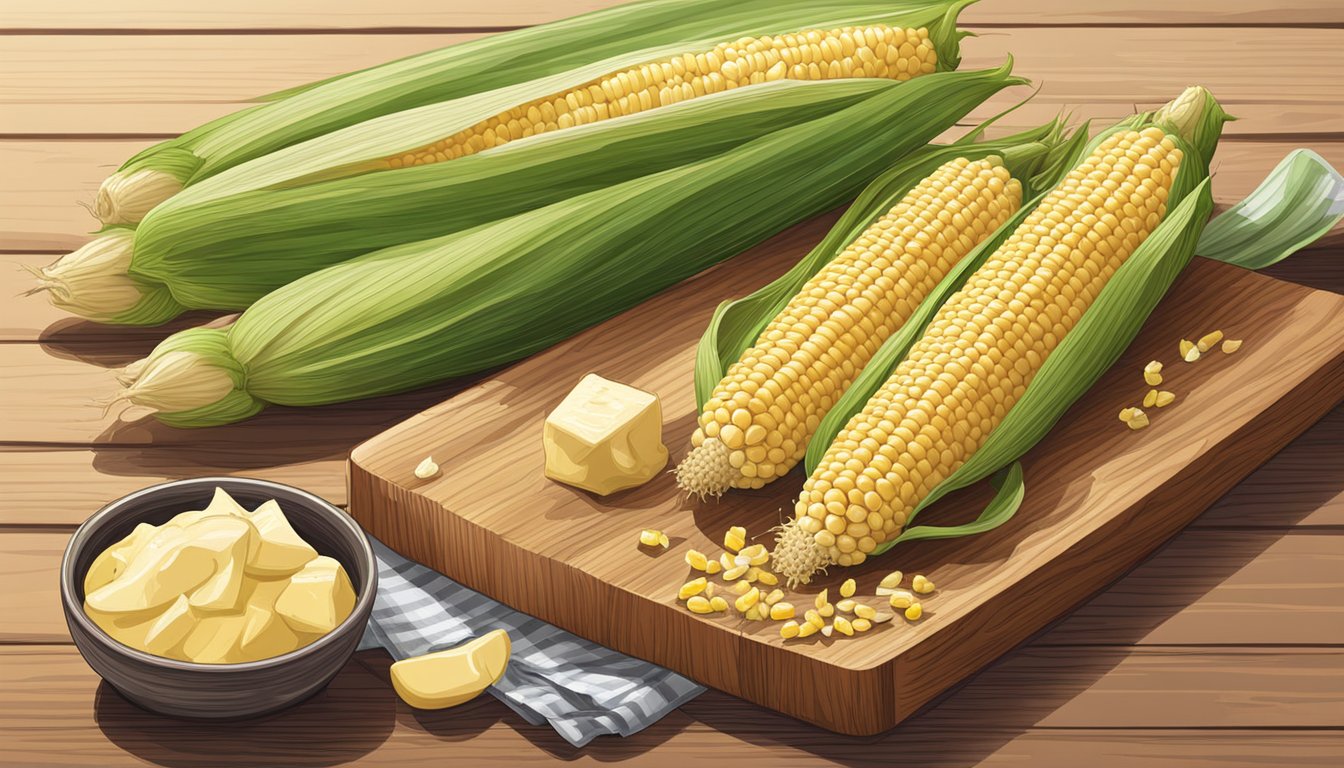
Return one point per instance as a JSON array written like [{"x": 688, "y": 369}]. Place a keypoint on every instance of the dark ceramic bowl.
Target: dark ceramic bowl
[{"x": 218, "y": 691}]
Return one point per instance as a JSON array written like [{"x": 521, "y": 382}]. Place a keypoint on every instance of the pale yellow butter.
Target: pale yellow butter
[
  {"x": 605, "y": 437},
  {"x": 455, "y": 676}
]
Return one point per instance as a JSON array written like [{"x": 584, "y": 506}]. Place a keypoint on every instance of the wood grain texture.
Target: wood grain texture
[
  {"x": 60, "y": 714},
  {"x": 1088, "y": 515},
  {"x": 309, "y": 16},
  {"x": 145, "y": 85}
]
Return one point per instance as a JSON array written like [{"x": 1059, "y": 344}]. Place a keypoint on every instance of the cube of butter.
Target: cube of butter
[{"x": 605, "y": 437}]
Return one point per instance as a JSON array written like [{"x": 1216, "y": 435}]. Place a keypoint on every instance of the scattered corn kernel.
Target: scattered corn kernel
[
  {"x": 718, "y": 604},
  {"x": 891, "y": 580},
  {"x": 748, "y": 599},
  {"x": 1189, "y": 352},
  {"x": 781, "y": 611},
  {"x": 735, "y": 539},
  {"x": 805, "y": 629},
  {"x": 1164, "y": 398},
  {"x": 845, "y": 606},
  {"x": 1152, "y": 373},
  {"x": 865, "y": 611},
  {"x": 651, "y": 538},
  {"x": 827, "y": 610},
  {"x": 712, "y": 567},
  {"x": 774, "y": 597},
  {"x": 814, "y": 619},
  {"x": 843, "y": 626},
  {"x": 735, "y": 573},
  {"x": 914, "y": 612},
  {"x": 847, "y": 589},
  {"x": 750, "y": 575},
  {"x": 697, "y": 560},
  {"x": 789, "y": 629},
  {"x": 861, "y": 625},
  {"x": 1209, "y": 341},
  {"x": 1128, "y": 413},
  {"x": 1150, "y": 399},
  {"x": 922, "y": 585},
  {"x": 709, "y": 590},
  {"x": 726, "y": 560},
  {"x": 1138, "y": 421},
  {"x": 882, "y": 617},
  {"x": 766, "y": 577},
  {"x": 692, "y": 587},
  {"x": 427, "y": 468},
  {"x": 756, "y": 554},
  {"x": 827, "y": 630},
  {"x": 822, "y": 599},
  {"x": 753, "y": 613},
  {"x": 900, "y": 599},
  {"x": 1186, "y": 346},
  {"x": 698, "y": 604},
  {"x": 1231, "y": 345},
  {"x": 741, "y": 587}
]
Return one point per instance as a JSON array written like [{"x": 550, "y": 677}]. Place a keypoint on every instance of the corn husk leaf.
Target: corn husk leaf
[
  {"x": 499, "y": 62},
  {"x": 737, "y": 324},
  {"x": 1297, "y": 203},
  {"x": 1098, "y": 339},
  {"x": 1009, "y": 489},
  {"x": 421, "y": 312}
]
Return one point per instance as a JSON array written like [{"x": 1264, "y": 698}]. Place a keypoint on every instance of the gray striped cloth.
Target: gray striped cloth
[{"x": 582, "y": 689}]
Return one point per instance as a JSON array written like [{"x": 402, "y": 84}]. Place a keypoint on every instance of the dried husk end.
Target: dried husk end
[
  {"x": 797, "y": 556},
  {"x": 190, "y": 379},
  {"x": 93, "y": 282},
  {"x": 125, "y": 197},
  {"x": 705, "y": 471}
]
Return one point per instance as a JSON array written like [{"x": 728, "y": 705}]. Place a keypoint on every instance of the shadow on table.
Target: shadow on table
[{"x": 340, "y": 724}]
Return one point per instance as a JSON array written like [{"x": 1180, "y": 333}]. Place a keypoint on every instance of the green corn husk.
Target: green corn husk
[
  {"x": 1093, "y": 345},
  {"x": 410, "y": 315},
  {"x": 737, "y": 324},
  {"x": 462, "y": 70}
]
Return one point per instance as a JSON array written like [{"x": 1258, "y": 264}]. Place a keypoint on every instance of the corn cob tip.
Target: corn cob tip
[
  {"x": 92, "y": 281},
  {"x": 797, "y": 555},
  {"x": 178, "y": 380},
  {"x": 705, "y": 471},
  {"x": 126, "y": 197}
]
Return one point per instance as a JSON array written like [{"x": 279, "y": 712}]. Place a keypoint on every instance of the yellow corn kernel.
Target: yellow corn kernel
[
  {"x": 1189, "y": 352},
  {"x": 914, "y": 612},
  {"x": 1152, "y": 373},
  {"x": 709, "y": 590},
  {"x": 1150, "y": 399},
  {"x": 726, "y": 560},
  {"x": 753, "y": 613},
  {"x": 734, "y": 539},
  {"x": 789, "y": 629},
  {"x": 718, "y": 604},
  {"x": 847, "y": 589},
  {"x": 814, "y": 619},
  {"x": 780, "y": 611},
  {"x": 806, "y": 629},
  {"x": 698, "y": 604},
  {"x": 766, "y": 577},
  {"x": 741, "y": 587},
  {"x": 1138, "y": 420},
  {"x": 697, "y": 560},
  {"x": 774, "y": 597},
  {"x": 1231, "y": 345},
  {"x": 865, "y": 611},
  {"x": 821, "y": 599},
  {"x": 1128, "y": 413},
  {"x": 891, "y": 580},
  {"x": 861, "y": 625},
  {"x": 756, "y": 554},
  {"x": 900, "y": 600},
  {"x": 735, "y": 573},
  {"x": 827, "y": 610},
  {"x": 748, "y": 599},
  {"x": 922, "y": 585},
  {"x": 1208, "y": 341},
  {"x": 651, "y": 538},
  {"x": 846, "y": 605},
  {"x": 827, "y": 630},
  {"x": 692, "y": 587},
  {"x": 843, "y": 626},
  {"x": 712, "y": 567},
  {"x": 1164, "y": 398}
]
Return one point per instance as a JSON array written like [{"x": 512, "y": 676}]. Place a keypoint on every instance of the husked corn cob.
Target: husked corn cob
[
  {"x": 979, "y": 354},
  {"x": 876, "y": 50},
  {"x": 757, "y": 425}
]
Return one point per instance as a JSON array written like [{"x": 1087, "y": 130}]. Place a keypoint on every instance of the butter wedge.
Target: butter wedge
[
  {"x": 280, "y": 551},
  {"x": 265, "y": 634},
  {"x": 129, "y": 629},
  {"x": 170, "y": 628},
  {"x": 605, "y": 437},
  {"x": 112, "y": 562},
  {"x": 318, "y": 597},
  {"x": 215, "y": 640},
  {"x": 456, "y": 676}
]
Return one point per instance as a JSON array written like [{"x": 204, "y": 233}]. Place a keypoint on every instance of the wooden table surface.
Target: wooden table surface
[{"x": 1224, "y": 648}]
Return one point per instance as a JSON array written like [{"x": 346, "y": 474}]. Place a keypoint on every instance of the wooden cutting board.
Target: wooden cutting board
[{"x": 1099, "y": 496}]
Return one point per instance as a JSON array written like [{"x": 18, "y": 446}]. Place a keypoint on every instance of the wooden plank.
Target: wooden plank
[
  {"x": 1088, "y": 515},
  {"x": 1205, "y": 588},
  {"x": 57, "y": 712},
  {"x": 308, "y": 15},
  {"x": 166, "y": 84},
  {"x": 58, "y": 486}
]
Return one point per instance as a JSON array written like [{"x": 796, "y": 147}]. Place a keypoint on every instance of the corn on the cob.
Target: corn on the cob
[
  {"x": 978, "y": 357},
  {"x": 757, "y": 425},
  {"x": 408, "y": 316},
  {"x": 462, "y": 70}
]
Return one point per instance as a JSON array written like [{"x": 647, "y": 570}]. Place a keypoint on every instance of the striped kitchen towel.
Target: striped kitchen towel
[{"x": 582, "y": 689}]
